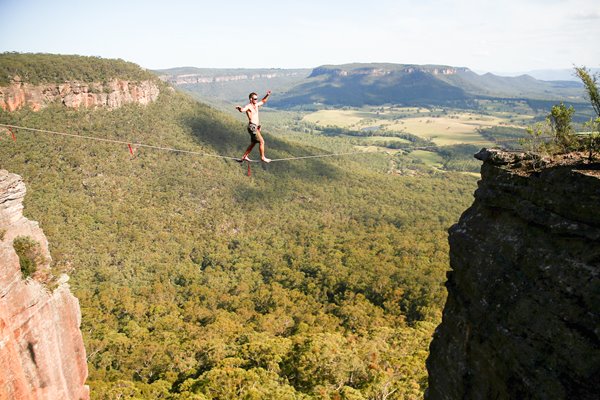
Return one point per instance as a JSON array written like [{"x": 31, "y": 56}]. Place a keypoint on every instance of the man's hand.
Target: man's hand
[
  {"x": 238, "y": 108},
  {"x": 264, "y": 99}
]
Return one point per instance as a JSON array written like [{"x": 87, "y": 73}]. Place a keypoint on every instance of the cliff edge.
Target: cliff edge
[
  {"x": 76, "y": 94},
  {"x": 522, "y": 318},
  {"x": 41, "y": 347}
]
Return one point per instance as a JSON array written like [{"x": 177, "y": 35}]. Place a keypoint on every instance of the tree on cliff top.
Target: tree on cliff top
[
  {"x": 590, "y": 82},
  {"x": 558, "y": 124},
  {"x": 560, "y": 121}
]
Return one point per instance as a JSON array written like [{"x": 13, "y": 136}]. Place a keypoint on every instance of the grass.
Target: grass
[
  {"x": 458, "y": 128},
  {"x": 387, "y": 139},
  {"x": 341, "y": 118},
  {"x": 443, "y": 127},
  {"x": 428, "y": 158}
]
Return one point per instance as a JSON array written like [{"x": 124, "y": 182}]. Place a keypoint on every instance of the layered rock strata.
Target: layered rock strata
[
  {"x": 522, "y": 319},
  {"x": 210, "y": 78},
  {"x": 112, "y": 94},
  {"x": 41, "y": 347}
]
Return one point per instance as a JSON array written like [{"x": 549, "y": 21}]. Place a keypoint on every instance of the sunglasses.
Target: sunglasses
[{"x": 255, "y": 98}]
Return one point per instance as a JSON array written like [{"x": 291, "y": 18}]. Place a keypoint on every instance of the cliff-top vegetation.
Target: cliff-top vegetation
[
  {"x": 559, "y": 128},
  {"x": 41, "y": 68}
]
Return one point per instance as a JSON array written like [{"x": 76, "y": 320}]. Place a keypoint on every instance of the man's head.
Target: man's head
[{"x": 253, "y": 96}]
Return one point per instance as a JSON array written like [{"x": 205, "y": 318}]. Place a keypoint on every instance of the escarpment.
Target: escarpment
[
  {"x": 41, "y": 347},
  {"x": 522, "y": 318},
  {"x": 76, "y": 94}
]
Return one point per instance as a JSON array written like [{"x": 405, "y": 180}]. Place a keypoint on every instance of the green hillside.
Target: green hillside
[{"x": 312, "y": 279}]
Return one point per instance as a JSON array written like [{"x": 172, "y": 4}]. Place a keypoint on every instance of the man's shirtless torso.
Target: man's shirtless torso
[{"x": 252, "y": 112}]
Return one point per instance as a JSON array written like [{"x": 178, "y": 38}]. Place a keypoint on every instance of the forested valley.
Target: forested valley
[{"x": 310, "y": 279}]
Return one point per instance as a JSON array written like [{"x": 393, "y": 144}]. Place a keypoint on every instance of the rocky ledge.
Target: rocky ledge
[
  {"x": 41, "y": 347},
  {"x": 112, "y": 94},
  {"x": 522, "y": 318}
]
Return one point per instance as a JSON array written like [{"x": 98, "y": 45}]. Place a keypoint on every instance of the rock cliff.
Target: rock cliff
[
  {"x": 112, "y": 94},
  {"x": 211, "y": 77},
  {"x": 41, "y": 347},
  {"x": 378, "y": 71},
  {"x": 522, "y": 319}
]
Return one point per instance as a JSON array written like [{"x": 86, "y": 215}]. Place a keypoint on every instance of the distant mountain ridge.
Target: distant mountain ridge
[
  {"x": 359, "y": 84},
  {"x": 381, "y": 69},
  {"x": 231, "y": 84},
  {"x": 191, "y": 75},
  {"x": 376, "y": 84},
  {"x": 565, "y": 74}
]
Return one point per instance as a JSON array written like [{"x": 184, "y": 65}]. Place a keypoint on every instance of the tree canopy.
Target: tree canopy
[
  {"x": 41, "y": 68},
  {"x": 316, "y": 279}
]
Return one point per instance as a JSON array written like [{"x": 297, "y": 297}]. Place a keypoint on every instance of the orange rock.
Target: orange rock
[
  {"x": 77, "y": 94},
  {"x": 41, "y": 347}
]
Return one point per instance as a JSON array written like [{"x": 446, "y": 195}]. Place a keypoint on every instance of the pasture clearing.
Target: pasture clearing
[
  {"x": 442, "y": 126},
  {"x": 446, "y": 130},
  {"x": 428, "y": 158},
  {"x": 341, "y": 118}
]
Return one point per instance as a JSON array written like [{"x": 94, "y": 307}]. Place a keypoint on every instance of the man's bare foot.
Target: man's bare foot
[
  {"x": 245, "y": 158},
  {"x": 266, "y": 160}
]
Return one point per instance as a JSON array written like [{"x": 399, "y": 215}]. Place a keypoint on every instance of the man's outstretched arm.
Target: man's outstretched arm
[{"x": 264, "y": 99}]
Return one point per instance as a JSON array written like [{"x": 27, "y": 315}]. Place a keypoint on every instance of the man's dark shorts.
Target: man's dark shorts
[{"x": 253, "y": 130}]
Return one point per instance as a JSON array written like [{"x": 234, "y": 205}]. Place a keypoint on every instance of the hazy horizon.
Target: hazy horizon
[{"x": 540, "y": 74}]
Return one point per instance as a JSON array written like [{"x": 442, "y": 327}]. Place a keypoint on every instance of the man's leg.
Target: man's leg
[
  {"x": 261, "y": 147},
  {"x": 248, "y": 150}
]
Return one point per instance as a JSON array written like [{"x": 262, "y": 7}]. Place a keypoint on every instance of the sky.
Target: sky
[{"x": 486, "y": 36}]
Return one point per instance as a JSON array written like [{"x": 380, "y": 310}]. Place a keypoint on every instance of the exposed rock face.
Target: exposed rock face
[
  {"x": 113, "y": 94},
  {"x": 522, "y": 319},
  {"x": 41, "y": 347},
  {"x": 209, "y": 77},
  {"x": 382, "y": 71}
]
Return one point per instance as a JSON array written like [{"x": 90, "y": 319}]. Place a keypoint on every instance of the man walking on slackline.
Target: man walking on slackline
[{"x": 251, "y": 110}]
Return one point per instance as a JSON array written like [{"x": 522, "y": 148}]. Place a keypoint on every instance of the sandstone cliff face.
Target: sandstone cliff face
[
  {"x": 377, "y": 72},
  {"x": 522, "y": 319},
  {"x": 113, "y": 94},
  {"x": 200, "y": 78},
  {"x": 41, "y": 347}
]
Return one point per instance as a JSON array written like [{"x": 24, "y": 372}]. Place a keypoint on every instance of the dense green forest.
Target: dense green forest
[
  {"x": 311, "y": 279},
  {"x": 40, "y": 68}
]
